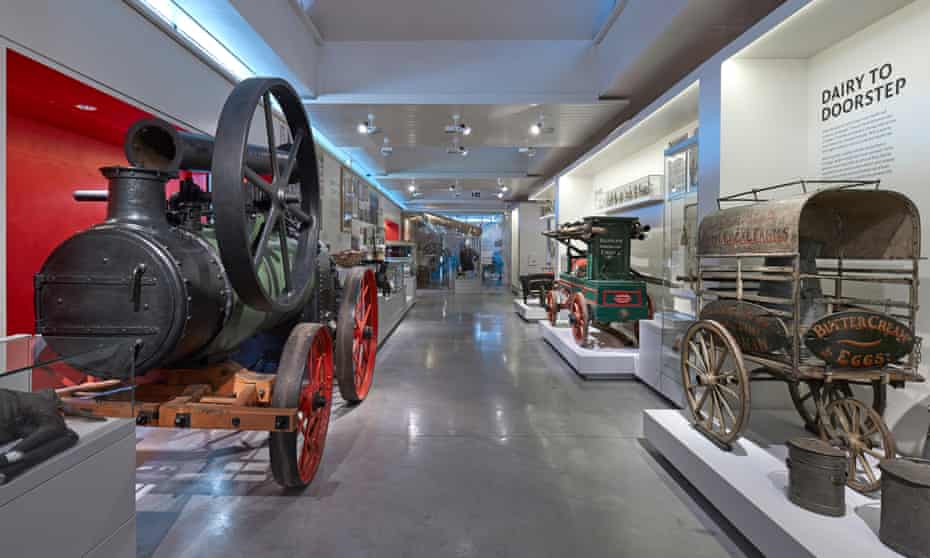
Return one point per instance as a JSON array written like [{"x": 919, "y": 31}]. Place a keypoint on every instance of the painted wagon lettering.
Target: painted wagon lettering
[
  {"x": 859, "y": 339},
  {"x": 749, "y": 236}
]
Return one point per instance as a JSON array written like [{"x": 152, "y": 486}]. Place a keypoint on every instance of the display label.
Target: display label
[
  {"x": 621, "y": 299},
  {"x": 859, "y": 339}
]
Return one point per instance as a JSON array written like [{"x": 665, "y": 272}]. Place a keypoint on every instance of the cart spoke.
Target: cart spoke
[
  {"x": 726, "y": 406},
  {"x": 269, "y": 130},
  {"x": 875, "y": 453},
  {"x": 271, "y": 221},
  {"x": 843, "y": 423},
  {"x": 708, "y": 365},
  {"x": 866, "y": 467},
  {"x": 292, "y": 156},
  {"x": 699, "y": 406},
  {"x": 285, "y": 257},
  {"x": 729, "y": 391},
  {"x": 713, "y": 354},
  {"x": 256, "y": 180},
  {"x": 697, "y": 354},
  {"x": 717, "y": 410}
]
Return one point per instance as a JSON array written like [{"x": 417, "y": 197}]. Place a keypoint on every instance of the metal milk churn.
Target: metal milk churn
[
  {"x": 817, "y": 476},
  {"x": 906, "y": 506}
]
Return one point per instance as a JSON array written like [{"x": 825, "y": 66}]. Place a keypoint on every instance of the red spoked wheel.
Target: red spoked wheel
[
  {"x": 357, "y": 335},
  {"x": 305, "y": 381},
  {"x": 578, "y": 317},
  {"x": 552, "y": 306}
]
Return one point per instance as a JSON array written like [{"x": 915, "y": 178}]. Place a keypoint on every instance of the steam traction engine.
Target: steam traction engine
[
  {"x": 191, "y": 283},
  {"x": 600, "y": 285}
]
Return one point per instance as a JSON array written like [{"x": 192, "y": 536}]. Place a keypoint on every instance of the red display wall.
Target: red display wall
[
  {"x": 53, "y": 148},
  {"x": 391, "y": 230}
]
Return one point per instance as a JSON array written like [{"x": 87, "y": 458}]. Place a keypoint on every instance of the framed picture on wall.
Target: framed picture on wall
[
  {"x": 364, "y": 203},
  {"x": 347, "y": 199}
]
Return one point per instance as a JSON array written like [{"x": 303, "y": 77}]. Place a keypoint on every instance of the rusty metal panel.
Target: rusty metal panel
[
  {"x": 853, "y": 224},
  {"x": 762, "y": 228}
]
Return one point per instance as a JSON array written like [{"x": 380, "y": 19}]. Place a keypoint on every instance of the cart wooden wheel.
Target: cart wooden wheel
[
  {"x": 862, "y": 433},
  {"x": 810, "y": 397},
  {"x": 715, "y": 381},
  {"x": 357, "y": 335},
  {"x": 552, "y": 306},
  {"x": 304, "y": 382},
  {"x": 578, "y": 316}
]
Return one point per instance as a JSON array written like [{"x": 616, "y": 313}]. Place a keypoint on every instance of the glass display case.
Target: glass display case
[
  {"x": 676, "y": 309},
  {"x": 70, "y": 364},
  {"x": 49, "y": 387}
]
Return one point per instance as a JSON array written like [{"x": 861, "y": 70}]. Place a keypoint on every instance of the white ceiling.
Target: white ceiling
[
  {"x": 498, "y": 131},
  {"x": 426, "y": 20}
]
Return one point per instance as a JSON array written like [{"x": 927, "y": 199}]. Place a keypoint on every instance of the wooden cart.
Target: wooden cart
[
  {"x": 818, "y": 290},
  {"x": 600, "y": 286}
]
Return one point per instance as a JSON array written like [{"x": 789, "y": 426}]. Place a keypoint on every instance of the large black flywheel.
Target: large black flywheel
[{"x": 267, "y": 226}]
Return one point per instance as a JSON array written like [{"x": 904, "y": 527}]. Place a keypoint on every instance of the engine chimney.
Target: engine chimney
[{"x": 137, "y": 196}]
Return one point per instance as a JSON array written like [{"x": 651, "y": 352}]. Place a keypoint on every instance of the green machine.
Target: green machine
[{"x": 600, "y": 286}]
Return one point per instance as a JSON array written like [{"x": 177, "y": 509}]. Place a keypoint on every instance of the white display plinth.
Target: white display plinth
[
  {"x": 80, "y": 502},
  {"x": 604, "y": 363},
  {"x": 749, "y": 487},
  {"x": 530, "y": 312}
]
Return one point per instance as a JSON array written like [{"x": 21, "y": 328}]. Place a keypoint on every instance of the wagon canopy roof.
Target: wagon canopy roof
[{"x": 848, "y": 223}]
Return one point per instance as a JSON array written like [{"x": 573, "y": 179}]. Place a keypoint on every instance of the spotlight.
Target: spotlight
[
  {"x": 539, "y": 127},
  {"x": 500, "y": 195},
  {"x": 368, "y": 128},
  {"x": 456, "y": 149},
  {"x": 412, "y": 188},
  {"x": 503, "y": 188},
  {"x": 528, "y": 151},
  {"x": 451, "y": 187},
  {"x": 386, "y": 149},
  {"x": 457, "y": 127}
]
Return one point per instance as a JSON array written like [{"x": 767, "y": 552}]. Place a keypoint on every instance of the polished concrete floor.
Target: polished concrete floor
[{"x": 477, "y": 440}]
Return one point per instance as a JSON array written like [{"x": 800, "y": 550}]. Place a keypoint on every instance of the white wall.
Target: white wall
[
  {"x": 763, "y": 123},
  {"x": 530, "y": 255},
  {"x": 574, "y": 200},
  {"x": 515, "y": 246}
]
